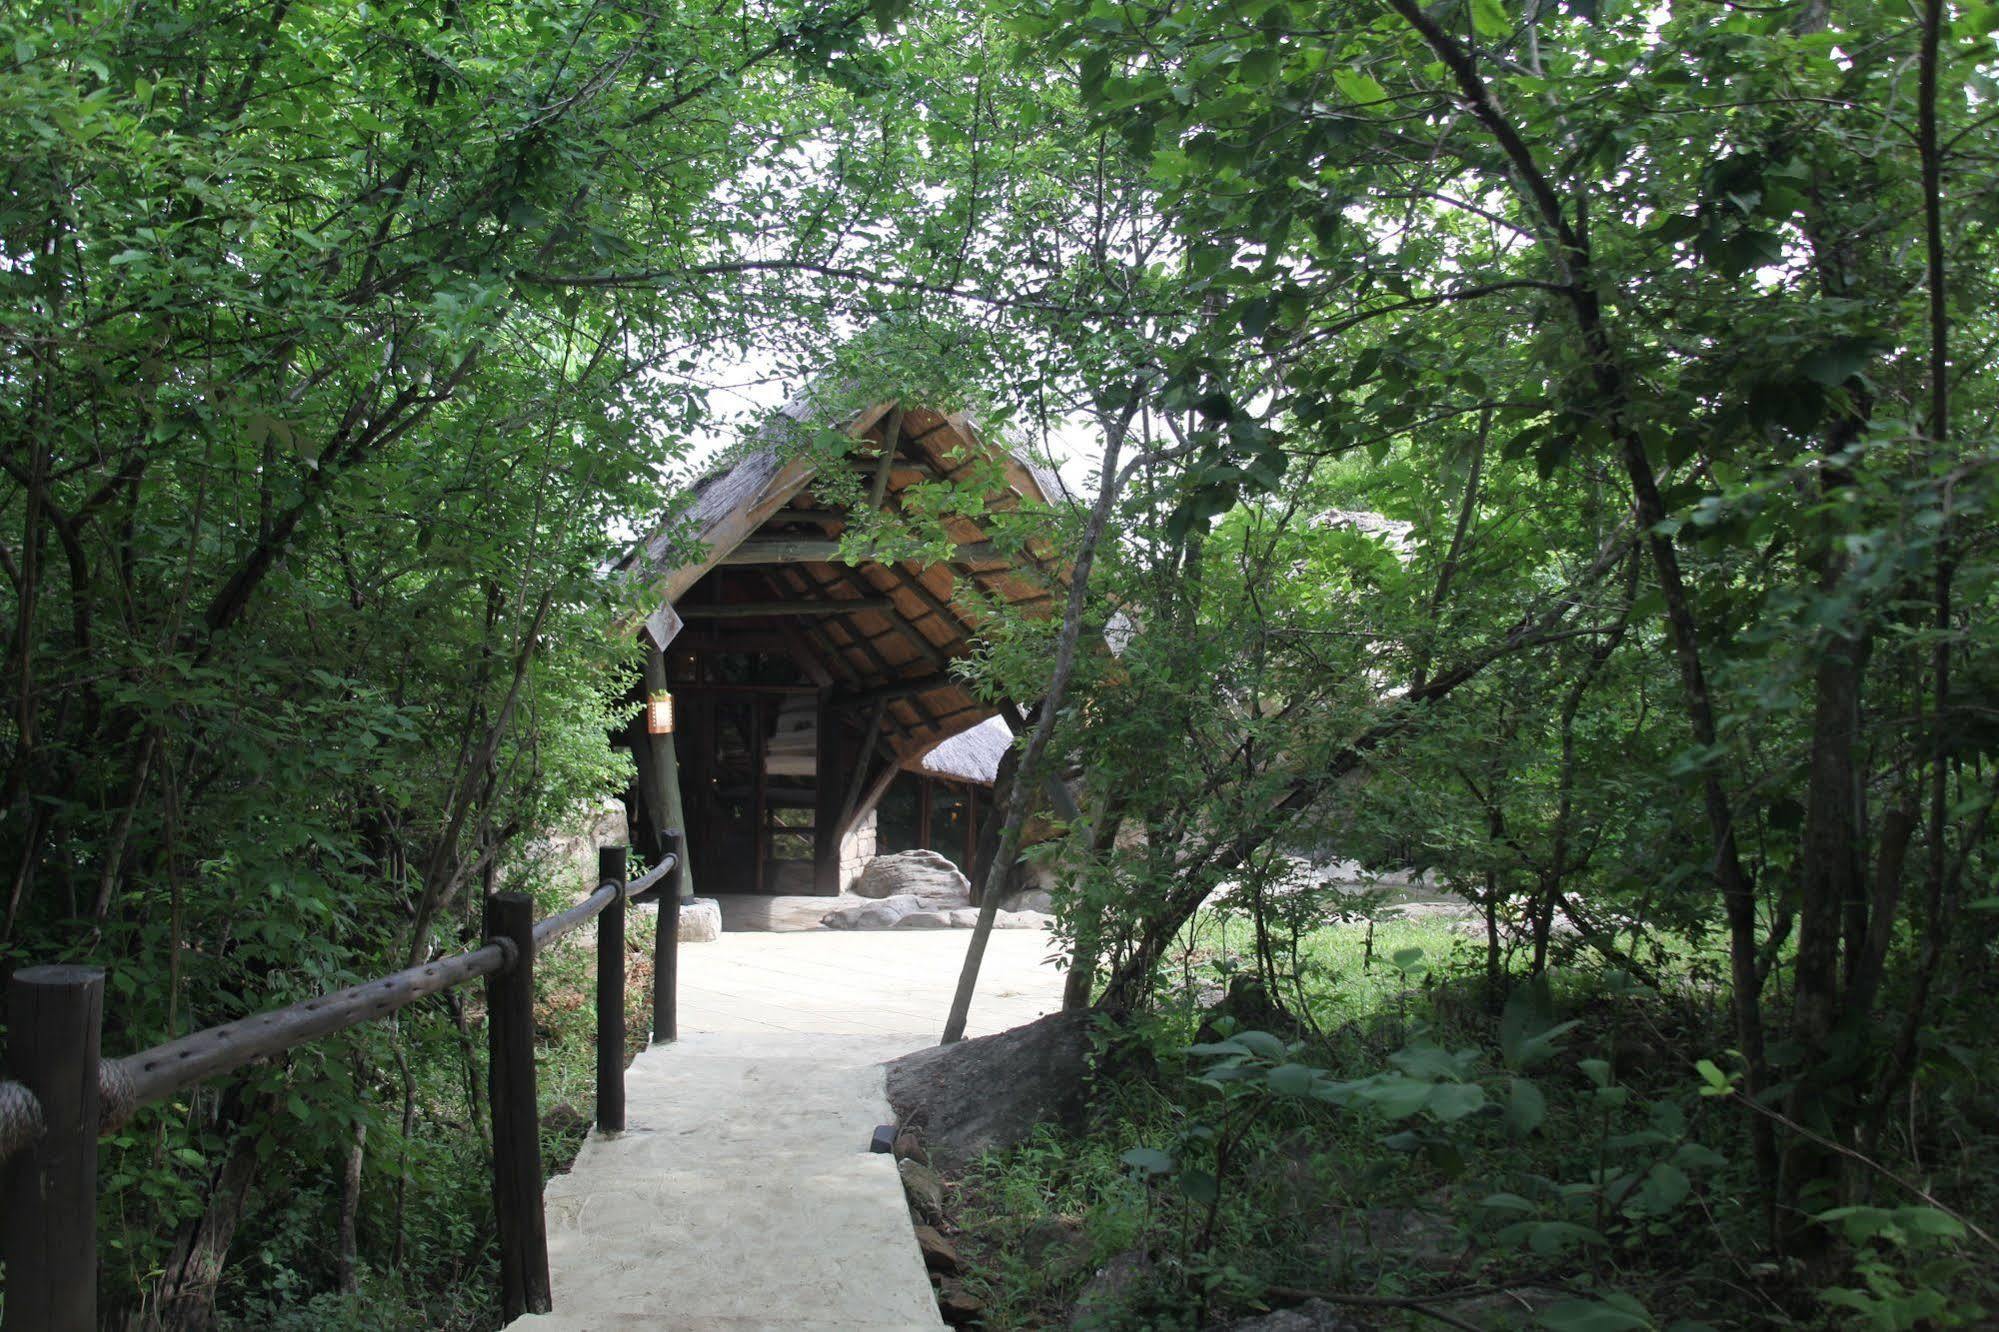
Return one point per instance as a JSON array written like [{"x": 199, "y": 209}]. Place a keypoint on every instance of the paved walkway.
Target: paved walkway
[{"x": 742, "y": 1194}]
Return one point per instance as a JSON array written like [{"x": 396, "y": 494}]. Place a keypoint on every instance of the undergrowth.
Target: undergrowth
[{"x": 1429, "y": 1153}]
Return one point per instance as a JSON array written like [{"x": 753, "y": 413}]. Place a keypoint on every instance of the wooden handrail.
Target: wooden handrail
[
  {"x": 646, "y": 882},
  {"x": 126, "y": 1084},
  {"x": 46, "y": 1120},
  {"x": 552, "y": 928}
]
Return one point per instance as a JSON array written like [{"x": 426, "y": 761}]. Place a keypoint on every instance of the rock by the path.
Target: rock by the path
[
  {"x": 909, "y": 1147},
  {"x": 938, "y": 1253},
  {"x": 1056, "y": 1244},
  {"x": 1367, "y": 1241},
  {"x": 1098, "y": 1302},
  {"x": 700, "y": 920},
  {"x": 920, "y": 873},
  {"x": 956, "y": 1305},
  {"x": 871, "y": 915},
  {"x": 990, "y": 1092},
  {"x": 913, "y": 911},
  {"x": 1248, "y": 1006},
  {"x": 925, "y": 1188},
  {"x": 1311, "y": 1316},
  {"x": 1031, "y": 899}
]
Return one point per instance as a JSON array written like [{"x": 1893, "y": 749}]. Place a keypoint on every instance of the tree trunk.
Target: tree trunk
[
  {"x": 184, "y": 1299},
  {"x": 347, "y": 1279},
  {"x": 1029, "y": 773}
]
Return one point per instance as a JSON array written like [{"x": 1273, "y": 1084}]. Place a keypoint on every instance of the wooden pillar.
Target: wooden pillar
[
  {"x": 650, "y": 810},
  {"x": 611, "y": 995},
  {"x": 971, "y": 828},
  {"x": 48, "y": 1190},
  {"x": 666, "y": 948},
  {"x": 923, "y": 812},
  {"x": 510, "y": 1084},
  {"x": 666, "y": 765},
  {"x": 759, "y": 773},
  {"x": 829, "y": 785},
  {"x": 877, "y": 788}
]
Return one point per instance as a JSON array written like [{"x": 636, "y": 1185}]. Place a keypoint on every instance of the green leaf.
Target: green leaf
[
  {"x": 1665, "y": 1187},
  {"x": 1148, "y": 1160},
  {"x": 1489, "y": 19},
  {"x": 1506, "y": 1202},
  {"x": 1358, "y": 87},
  {"x": 1261, "y": 1043},
  {"x": 1452, "y": 1101},
  {"x": 1592, "y": 1316},
  {"x": 1526, "y": 1107},
  {"x": 1199, "y": 1185},
  {"x": 1396, "y": 1097},
  {"x": 1292, "y": 1079}
]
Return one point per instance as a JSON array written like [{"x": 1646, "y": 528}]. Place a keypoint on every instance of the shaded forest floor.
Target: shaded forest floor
[{"x": 1623, "y": 1206}]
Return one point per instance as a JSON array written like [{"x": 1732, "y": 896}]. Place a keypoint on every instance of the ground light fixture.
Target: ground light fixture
[{"x": 659, "y": 713}]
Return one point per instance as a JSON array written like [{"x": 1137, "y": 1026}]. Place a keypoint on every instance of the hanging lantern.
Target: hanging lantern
[{"x": 659, "y": 713}]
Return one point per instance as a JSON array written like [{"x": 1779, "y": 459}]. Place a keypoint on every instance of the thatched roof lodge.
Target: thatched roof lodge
[{"x": 818, "y": 718}]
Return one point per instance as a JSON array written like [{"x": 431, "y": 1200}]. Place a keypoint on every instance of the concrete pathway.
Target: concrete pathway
[{"x": 742, "y": 1194}]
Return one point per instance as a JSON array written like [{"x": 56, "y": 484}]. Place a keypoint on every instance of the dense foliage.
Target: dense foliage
[{"x": 1547, "y": 445}]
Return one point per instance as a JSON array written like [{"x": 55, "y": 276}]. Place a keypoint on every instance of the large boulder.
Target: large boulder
[
  {"x": 918, "y": 873},
  {"x": 700, "y": 920},
  {"x": 1311, "y": 1316},
  {"x": 1037, "y": 900},
  {"x": 988, "y": 1093},
  {"x": 924, "y": 1188},
  {"x": 862, "y": 914}
]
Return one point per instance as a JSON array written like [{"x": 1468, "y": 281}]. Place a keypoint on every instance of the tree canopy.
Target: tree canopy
[{"x": 1544, "y": 444}]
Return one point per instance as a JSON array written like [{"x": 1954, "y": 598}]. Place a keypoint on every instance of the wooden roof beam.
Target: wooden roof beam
[
  {"x": 924, "y": 716},
  {"x": 750, "y": 610},
  {"x": 897, "y": 622},
  {"x": 900, "y": 689},
  {"x": 762, "y": 550}
]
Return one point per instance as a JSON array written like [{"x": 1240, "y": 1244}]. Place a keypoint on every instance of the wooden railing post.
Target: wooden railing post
[
  {"x": 48, "y": 1190},
  {"x": 510, "y": 1085},
  {"x": 666, "y": 945},
  {"x": 611, "y": 995}
]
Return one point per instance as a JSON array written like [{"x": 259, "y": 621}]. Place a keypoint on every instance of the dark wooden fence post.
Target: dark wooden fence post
[
  {"x": 48, "y": 1192},
  {"x": 666, "y": 945},
  {"x": 510, "y": 1085},
  {"x": 611, "y": 995}
]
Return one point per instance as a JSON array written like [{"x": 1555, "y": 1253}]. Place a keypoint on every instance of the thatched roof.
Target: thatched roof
[
  {"x": 757, "y": 533},
  {"x": 970, "y": 756}
]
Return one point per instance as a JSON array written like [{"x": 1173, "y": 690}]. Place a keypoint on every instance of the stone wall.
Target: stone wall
[
  {"x": 856, "y": 850},
  {"x": 568, "y": 853}
]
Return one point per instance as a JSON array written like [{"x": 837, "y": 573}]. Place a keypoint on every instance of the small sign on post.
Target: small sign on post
[{"x": 663, "y": 625}]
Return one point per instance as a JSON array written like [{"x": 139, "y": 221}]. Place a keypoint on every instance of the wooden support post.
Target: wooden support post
[
  {"x": 611, "y": 995},
  {"x": 971, "y": 826},
  {"x": 510, "y": 1087},
  {"x": 48, "y": 1191},
  {"x": 648, "y": 817},
  {"x": 870, "y": 733},
  {"x": 666, "y": 944},
  {"x": 877, "y": 788},
  {"x": 891, "y": 437},
  {"x": 828, "y": 793},
  {"x": 673, "y": 813}
]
